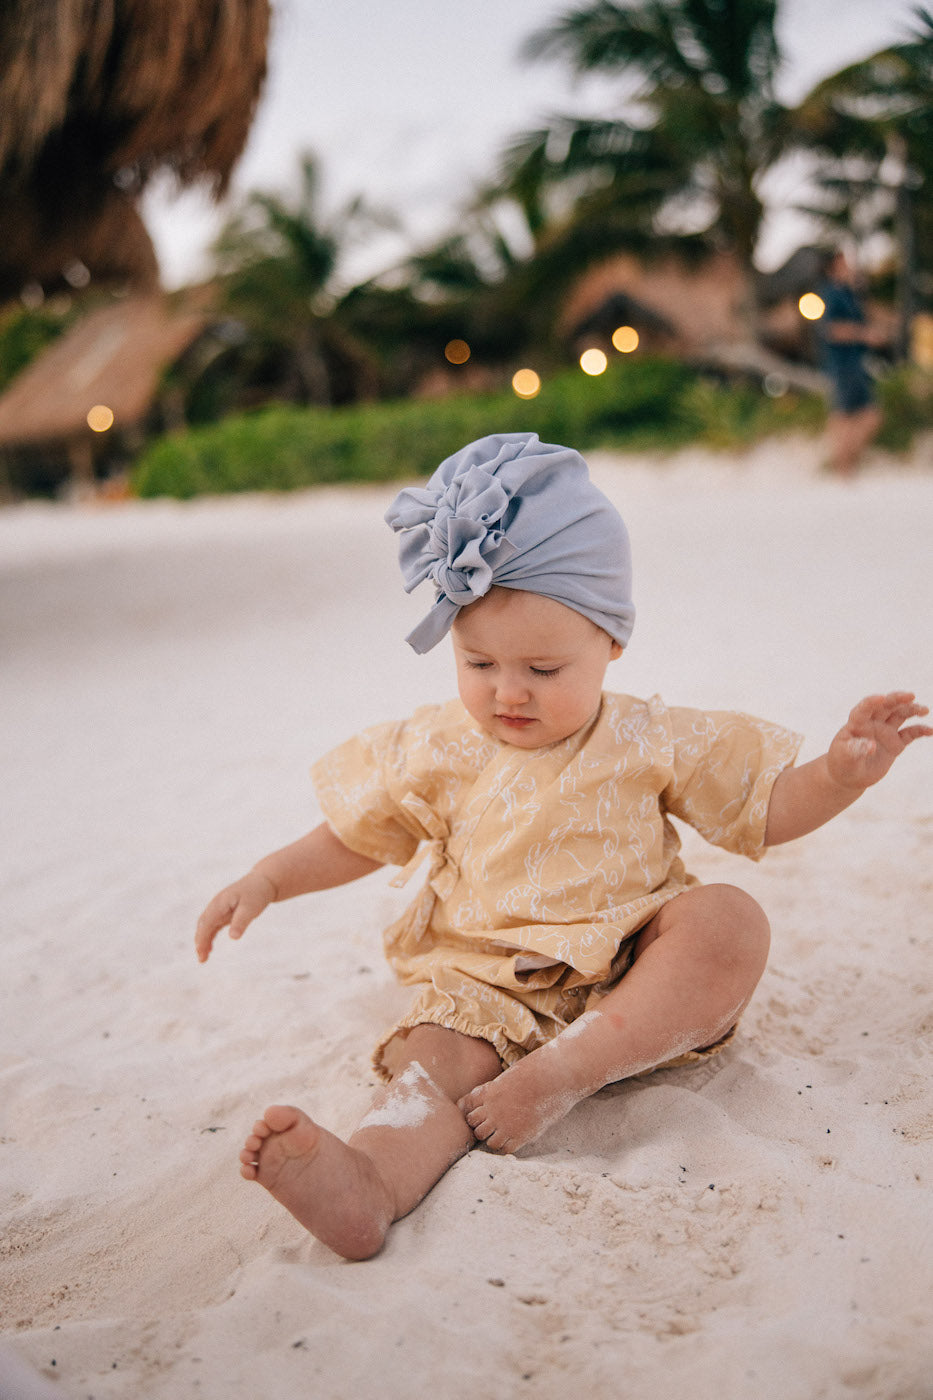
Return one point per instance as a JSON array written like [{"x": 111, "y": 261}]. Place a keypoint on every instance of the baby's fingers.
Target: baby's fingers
[
  {"x": 877, "y": 713},
  {"x": 915, "y": 731},
  {"x": 222, "y": 910},
  {"x": 903, "y": 708},
  {"x": 238, "y": 905},
  {"x": 875, "y": 709},
  {"x": 245, "y": 911}
]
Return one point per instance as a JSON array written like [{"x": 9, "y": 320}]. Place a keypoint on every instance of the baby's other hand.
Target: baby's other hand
[
  {"x": 871, "y": 739},
  {"x": 238, "y": 905}
]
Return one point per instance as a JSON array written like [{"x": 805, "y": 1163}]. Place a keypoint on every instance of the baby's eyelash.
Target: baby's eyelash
[{"x": 535, "y": 670}]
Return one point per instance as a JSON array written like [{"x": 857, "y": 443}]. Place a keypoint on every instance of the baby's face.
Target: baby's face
[{"x": 530, "y": 671}]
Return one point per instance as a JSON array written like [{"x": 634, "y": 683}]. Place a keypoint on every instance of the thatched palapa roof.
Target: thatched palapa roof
[
  {"x": 114, "y": 356},
  {"x": 109, "y": 239},
  {"x": 95, "y": 99}
]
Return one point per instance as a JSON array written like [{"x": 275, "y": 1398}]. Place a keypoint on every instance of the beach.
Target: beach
[{"x": 756, "y": 1225}]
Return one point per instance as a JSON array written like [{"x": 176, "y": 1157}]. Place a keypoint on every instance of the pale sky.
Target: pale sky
[{"x": 410, "y": 102}]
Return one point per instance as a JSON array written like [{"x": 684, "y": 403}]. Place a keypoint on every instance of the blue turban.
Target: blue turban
[{"x": 509, "y": 511}]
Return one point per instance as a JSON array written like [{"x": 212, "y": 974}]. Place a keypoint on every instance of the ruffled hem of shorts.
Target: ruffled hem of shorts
[{"x": 507, "y": 1052}]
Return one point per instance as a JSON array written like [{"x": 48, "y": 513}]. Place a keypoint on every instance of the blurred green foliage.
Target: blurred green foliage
[
  {"x": 733, "y": 415},
  {"x": 644, "y": 403},
  {"x": 906, "y": 398},
  {"x": 23, "y": 333}
]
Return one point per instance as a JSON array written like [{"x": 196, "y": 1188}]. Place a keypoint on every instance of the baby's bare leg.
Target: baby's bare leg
[
  {"x": 697, "y": 963},
  {"x": 348, "y": 1193}
]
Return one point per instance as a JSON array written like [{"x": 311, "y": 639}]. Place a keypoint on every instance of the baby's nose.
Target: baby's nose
[{"x": 512, "y": 690}]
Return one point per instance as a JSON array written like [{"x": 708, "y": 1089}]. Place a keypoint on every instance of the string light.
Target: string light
[
  {"x": 811, "y": 306},
  {"x": 100, "y": 418},
  {"x": 593, "y": 361},
  {"x": 625, "y": 339},
  {"x": 526, "y": 383},
  {"x": 457, "y": 352}
]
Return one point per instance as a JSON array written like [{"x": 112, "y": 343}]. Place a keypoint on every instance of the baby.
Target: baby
[{"x": 558, "y": 944}]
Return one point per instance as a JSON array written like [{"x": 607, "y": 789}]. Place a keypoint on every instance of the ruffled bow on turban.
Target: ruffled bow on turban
[{"x": 513, "y": 512}]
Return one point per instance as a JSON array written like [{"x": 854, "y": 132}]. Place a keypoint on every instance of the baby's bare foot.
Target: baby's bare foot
[
  {"x": 522, "y": 1103},
  {"x": 332, "y": 1189},
  {"x": 537, "y": 1092}
]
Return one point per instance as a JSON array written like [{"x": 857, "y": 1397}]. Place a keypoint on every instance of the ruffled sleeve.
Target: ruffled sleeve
[
  {"x": 361, "y": 786},
  {"x": 724, "y": 765}
]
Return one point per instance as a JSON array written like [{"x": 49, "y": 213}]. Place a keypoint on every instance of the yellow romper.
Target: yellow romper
[{"x": 543, "y": 863}]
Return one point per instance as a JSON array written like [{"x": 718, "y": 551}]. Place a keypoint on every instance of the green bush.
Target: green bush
[
  {"x": 733, "y": 415},
  {"x": 644, "y": 402},
  {"x": 906, "y": 399},
  {"x": 23, "y": 334}
]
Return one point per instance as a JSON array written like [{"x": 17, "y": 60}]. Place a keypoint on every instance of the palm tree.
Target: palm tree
[
  {"x": 598, "y": 196},
  {"x": 871, "y": 127},
  {"x": 501, "y": 279},
  {"x": 96, "y": 100},
  {"x": 278, "y": 261},
  {"x": 702, "y": 124}
]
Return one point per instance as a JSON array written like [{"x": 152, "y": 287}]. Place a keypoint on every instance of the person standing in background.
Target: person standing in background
[{"x": 846, "y": 335}]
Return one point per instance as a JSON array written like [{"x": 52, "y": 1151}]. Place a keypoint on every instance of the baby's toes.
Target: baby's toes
[
  {"x": 249, "y": 1163},
  {"x": 498, "y": 1141},
  {"x": 476, "y": 1117},
  {"x": 469, "y": 1103}
]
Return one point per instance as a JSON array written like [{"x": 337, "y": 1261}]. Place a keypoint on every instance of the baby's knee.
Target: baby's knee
[
  {"x": 722, "y": 920},
  {"x": 738, "y": 926}
]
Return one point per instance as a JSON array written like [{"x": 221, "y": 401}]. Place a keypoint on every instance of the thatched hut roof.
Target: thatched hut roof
[
  {"x": 134, "y": 85},
  {"x": 698, "y": 301},
  {"x": 109, "y": 241},
  {"x": 114, "y": 356},
  {"x": 96, "y": 98},
  {"x": 619, "y": 309}
]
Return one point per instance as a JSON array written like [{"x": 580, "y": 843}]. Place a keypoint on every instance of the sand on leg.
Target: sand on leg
[
  {"x": 697, "y": 963},
  {"x": 348, "y": 1193}
]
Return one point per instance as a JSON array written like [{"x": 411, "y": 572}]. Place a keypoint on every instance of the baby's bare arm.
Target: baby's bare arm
[
  {"x": 875, "y": 733},
  {"x": 318, "y": 861}
]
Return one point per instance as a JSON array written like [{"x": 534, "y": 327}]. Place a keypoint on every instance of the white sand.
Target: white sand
[{"x": 760, "y": 1226}]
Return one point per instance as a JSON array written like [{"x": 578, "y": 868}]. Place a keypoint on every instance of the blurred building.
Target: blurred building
[
  {"x": 700, "y": 307},
  {"x": 82, "y": 407}
]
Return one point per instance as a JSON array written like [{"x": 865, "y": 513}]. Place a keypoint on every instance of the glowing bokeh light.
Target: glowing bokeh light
[
  {"x": 77, "y": 275},
  {"x": 593, "y": 361},
  {"x": 100, "y": 418},
  {"x": 526, "y": 383},
  {"x": 625, "y": 339},
  {"x": 32, "y": 296},
  {"x": 457, "y": 352},
  {"x": 811, "y": 306}
]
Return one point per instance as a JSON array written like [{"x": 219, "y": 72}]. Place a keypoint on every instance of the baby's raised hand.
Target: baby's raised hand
[
  {"x": 238, "y": 905},
  {"x": 873, "y": 736}
]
